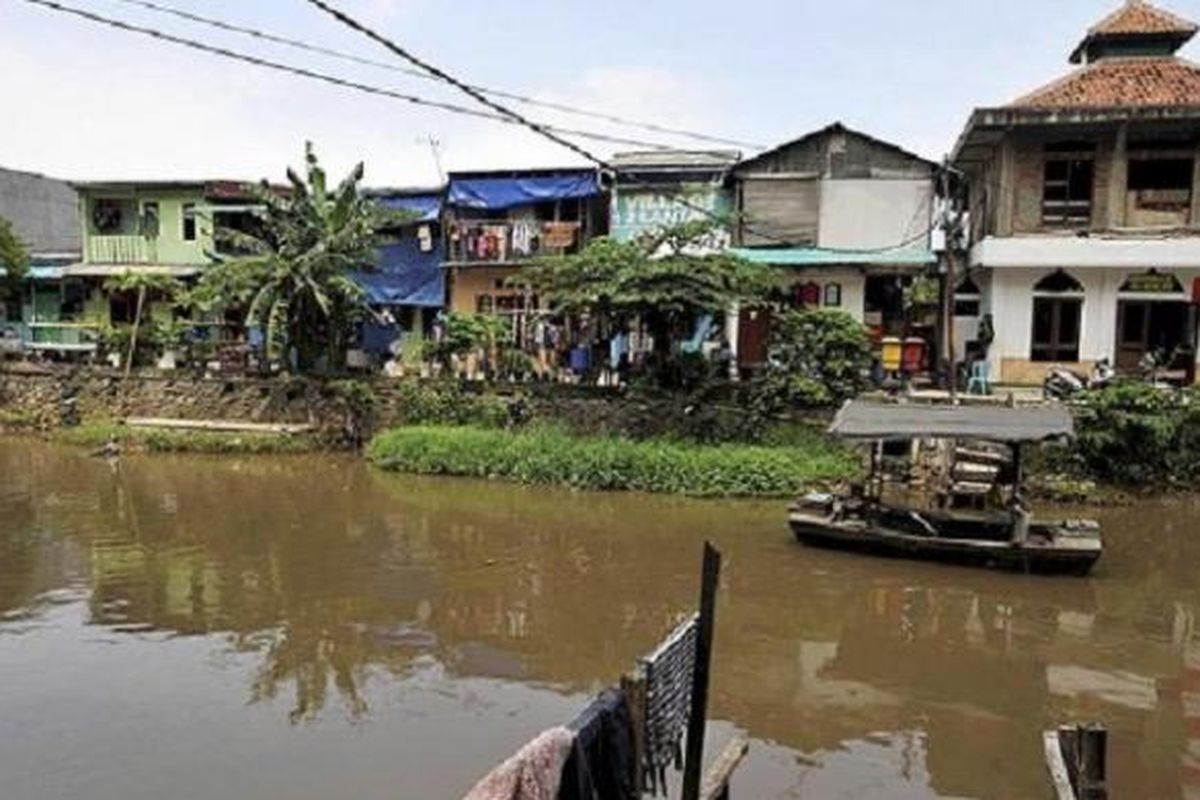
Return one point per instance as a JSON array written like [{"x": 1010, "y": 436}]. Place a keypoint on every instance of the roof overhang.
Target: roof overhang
[
  {"x": 988, "y": 126},
  {"x": 115, "y": 270},
  {"x": 1168, "y": 252},
  {"x": 872, "y": 421}
]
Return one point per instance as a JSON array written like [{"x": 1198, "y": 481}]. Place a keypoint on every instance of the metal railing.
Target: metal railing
[
  {"x": 505, "y": 241},
  {"x": 133, "y": 249}
]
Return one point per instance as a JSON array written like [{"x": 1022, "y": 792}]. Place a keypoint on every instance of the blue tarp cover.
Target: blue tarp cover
[
  {"x": 502, "y": 193},
  {"x": 426, "y": 207},
  {"x": 405, "y": 276}
]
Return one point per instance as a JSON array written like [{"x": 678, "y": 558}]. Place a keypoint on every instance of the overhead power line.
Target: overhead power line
[
  {"x": 332, "y": 79},
  {"x": 299, "y": 44},
  {"x": 514, "y": 116}
]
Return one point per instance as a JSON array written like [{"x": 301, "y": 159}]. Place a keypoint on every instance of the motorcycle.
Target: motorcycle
[{"x": 1062, "y": 383}]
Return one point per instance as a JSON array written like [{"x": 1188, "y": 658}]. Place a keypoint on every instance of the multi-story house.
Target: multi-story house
[
  {"x": 847, "y": 218},
  {"x": 1084, "y": 210},
  {"x": 497, "y": 221},
  {"x": 660, "y": 189}
]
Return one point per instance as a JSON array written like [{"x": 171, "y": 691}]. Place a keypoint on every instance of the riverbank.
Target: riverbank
[
  {"x": 549, "y": 456},
  {"x": 155, "y": 440}
]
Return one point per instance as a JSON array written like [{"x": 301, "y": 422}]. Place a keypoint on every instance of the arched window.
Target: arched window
[
  {"x": 1152, "y": 282},
  {"x": 1057, "y": 312},
  {"x": 1058, "y": 282}
]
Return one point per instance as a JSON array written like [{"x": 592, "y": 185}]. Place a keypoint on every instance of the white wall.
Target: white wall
[
  {"x": 852, "y": 281},
  {"x": 1008, "y": 296},
  {"x": 873, "y": 212}
]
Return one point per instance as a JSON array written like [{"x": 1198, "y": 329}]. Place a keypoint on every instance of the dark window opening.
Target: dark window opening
[
  {"x": 1162, "y": 184},
  {"x": 1067, "y": 192},
  {"x": 150, "y": 220},
  {"x": 966, "y": 308},
  {"x": 189, "y": 222},
  {"x": 1058, "y": 283},
  {"x": 1056, "y": 329}
]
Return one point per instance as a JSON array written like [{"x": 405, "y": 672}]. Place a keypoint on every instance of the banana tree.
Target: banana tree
[{"x": 296, "y": 285}]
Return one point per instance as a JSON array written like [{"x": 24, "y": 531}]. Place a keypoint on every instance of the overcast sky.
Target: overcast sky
[{"x": 84, "y": 102}]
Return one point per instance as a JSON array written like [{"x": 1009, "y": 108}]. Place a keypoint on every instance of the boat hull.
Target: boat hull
[{"x": 1055, "y": 552}]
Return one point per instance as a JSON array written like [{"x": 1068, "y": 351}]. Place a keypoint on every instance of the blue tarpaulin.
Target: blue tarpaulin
[
  {"x": 508, "y": 192},
  {"x": 423, "y": 207},
  {"x": 406, "y": 276}
]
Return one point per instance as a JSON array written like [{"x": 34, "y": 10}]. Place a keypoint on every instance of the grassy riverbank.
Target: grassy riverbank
[
  {"x": 550, "y": 456},
  {"x": 96, "y": 435}
]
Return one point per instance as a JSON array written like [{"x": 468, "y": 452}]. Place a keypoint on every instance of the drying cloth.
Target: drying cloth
[
  {"x": 668, "y": 676},
  {"x": 602, "y": 762},
  {"x": 533, "y": 773}
]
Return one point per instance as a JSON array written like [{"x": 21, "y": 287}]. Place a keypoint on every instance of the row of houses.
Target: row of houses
[{"x": 1082, "y": 223}]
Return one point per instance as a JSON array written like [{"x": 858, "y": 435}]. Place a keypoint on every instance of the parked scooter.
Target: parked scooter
[{"x": 1062, "y": 383}]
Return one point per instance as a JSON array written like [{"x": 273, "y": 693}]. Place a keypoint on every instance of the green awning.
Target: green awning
[{"x": 822, "y": 257}]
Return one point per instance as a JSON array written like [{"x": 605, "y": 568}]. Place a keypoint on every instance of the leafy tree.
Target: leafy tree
[
  {"x": 817, "y": 357},
  {"x": 14, "y": 259},
  {"x": 666, "y": 278},
  {"x": 297, "y": 283}
]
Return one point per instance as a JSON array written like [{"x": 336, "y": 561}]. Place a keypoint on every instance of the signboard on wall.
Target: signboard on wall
[
  {"x": 1152, "y": 282},
  {"x": 638, "y": 210}
]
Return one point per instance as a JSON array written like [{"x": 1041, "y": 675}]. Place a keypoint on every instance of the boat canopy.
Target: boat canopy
[{"x": 859, "y": 419}]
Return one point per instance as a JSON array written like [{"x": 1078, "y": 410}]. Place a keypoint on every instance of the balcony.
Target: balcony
[
  {"x": 130, "y": 249},
  {"x": 505, "y": 242}
]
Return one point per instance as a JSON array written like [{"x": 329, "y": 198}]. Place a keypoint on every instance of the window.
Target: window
[
  {"x": 150, "y": 219},
  {"x": 189, "y": 222},
  {"x": 833, "y": 295},
  {"x": 1067, "y": 191},
  {"x": 1161, "y": 184},
  {"x": 1057, "y": 309}
]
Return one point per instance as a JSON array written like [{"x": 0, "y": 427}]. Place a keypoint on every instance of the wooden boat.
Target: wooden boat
[{"x": 959, "y": 469}]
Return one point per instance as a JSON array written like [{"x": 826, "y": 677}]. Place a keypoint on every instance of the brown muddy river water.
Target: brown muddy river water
[{"x": 306, "y": 628}]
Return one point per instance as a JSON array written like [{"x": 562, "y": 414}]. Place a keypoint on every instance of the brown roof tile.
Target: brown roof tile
[
  {"x": 1117, "y": 82},
  {"x": 1139, "y": 17}
]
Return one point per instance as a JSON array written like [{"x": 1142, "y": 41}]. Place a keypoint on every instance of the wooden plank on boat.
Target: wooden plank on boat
[
  {"x": 716, "y": 781},
  {"x": 217, "y": 425}
]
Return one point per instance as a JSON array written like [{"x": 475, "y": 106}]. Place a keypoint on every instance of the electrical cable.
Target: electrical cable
[{"x": 299, "y": 44}]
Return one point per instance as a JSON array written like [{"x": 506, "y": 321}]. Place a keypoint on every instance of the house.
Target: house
[
  {"x": 660, "y": 189},
  {"x": 1084, "y": 211},
  {"x": 44, "y": 213},
  {"x": 497, "y": 221},
  {"x": 847, "y": 218},
  {"x": 407, "y": 287}
]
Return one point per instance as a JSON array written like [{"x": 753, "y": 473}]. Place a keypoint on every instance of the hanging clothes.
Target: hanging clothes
[
  {"x": 602, "y": 762},
  {"x": 667, "y": 673},
  {"x": 522, "y": 238},
  {"x": 533, "y": 773}
]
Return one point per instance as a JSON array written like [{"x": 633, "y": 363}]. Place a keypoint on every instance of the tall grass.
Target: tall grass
[
  {"x": 551, "y": 456},
  {"x": 166, "y": 440}
]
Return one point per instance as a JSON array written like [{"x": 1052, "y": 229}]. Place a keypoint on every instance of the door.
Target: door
[
  {"x": 754, "y": 327},
  {"x": 1163, "y": 328}
]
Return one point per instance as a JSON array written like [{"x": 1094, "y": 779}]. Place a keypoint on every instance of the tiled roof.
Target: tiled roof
[
  {"x": 1121, "y": 82},
  {"x": 1139, "y": 17}
]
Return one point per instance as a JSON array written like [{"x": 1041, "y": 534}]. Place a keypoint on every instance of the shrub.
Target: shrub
[
  {"x": 182, "y": 441},
  {"x": 551, "y": 456},
  {"x": 448, "y": 404},
  {"x": 818, "y": 357},
  {"x": 1132, "y": 432}
]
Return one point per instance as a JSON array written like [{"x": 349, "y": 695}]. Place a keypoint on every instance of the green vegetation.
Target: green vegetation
[
  {"x": 550, "y": 456},
  {"x": 95, "y": 435},
  {"x": 1136, "y": 434},
  {"x": 296, "y": 285},
  {"x": 14, "y": 260},
  {"x": 446, "y": 403},
  {"x": 819, "y": 357}
]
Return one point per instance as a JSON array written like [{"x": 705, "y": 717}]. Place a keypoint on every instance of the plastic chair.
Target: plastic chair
[{"x": 979, "y": 381}]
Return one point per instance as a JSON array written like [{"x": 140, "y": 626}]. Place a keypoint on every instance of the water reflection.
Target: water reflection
[{"x": 315, "y": 585}]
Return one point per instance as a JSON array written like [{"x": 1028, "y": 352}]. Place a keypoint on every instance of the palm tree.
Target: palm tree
[{"x": 297, "y": 279}]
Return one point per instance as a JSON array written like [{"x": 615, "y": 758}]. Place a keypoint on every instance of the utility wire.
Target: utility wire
[
  {"x": 514, "y": 116},
  {"x": 298, "y": 44},
  {"x": 333, "y": 79}
]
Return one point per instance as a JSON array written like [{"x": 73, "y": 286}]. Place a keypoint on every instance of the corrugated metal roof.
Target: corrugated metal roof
[
  {"x": 860, "y": 419},
  {"x": 817, "y": 256},
  {"x": 644, "y": 160}
]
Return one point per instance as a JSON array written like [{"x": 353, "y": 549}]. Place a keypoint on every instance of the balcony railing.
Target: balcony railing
[
  {"x": 133, "y": 249},
  {"x": 508, "y": 242},
  {"x": 58, "y": 336}
]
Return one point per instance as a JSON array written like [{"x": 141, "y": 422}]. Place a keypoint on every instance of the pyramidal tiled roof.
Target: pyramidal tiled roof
[
  {"x": 1121, "y": 82},
  {"x": 1139, "y": 17}
]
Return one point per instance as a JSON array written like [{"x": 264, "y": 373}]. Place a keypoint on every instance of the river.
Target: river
[{"x": 308, "y": 628}]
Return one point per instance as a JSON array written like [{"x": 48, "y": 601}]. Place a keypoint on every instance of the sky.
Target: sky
[{"x": 85, "y": 102}]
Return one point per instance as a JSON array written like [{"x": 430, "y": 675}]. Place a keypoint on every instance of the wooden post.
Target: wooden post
[
  {"x": 693, "y": 761},
  {"x": 634, "y": 688}
]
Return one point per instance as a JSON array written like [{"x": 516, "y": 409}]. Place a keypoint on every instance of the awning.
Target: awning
[
  {"x": 405, "y": 276},
  {"x": 508, "y": 192},
  {"x": 422, "y": 207},
  {"x": 114, "y": 270},
  {"x": 860, "y": 419},
  {"x": 821, "y": 257}
]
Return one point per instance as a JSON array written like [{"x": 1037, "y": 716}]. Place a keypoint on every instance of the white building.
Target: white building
[{"x": 1085, "y": 215}]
